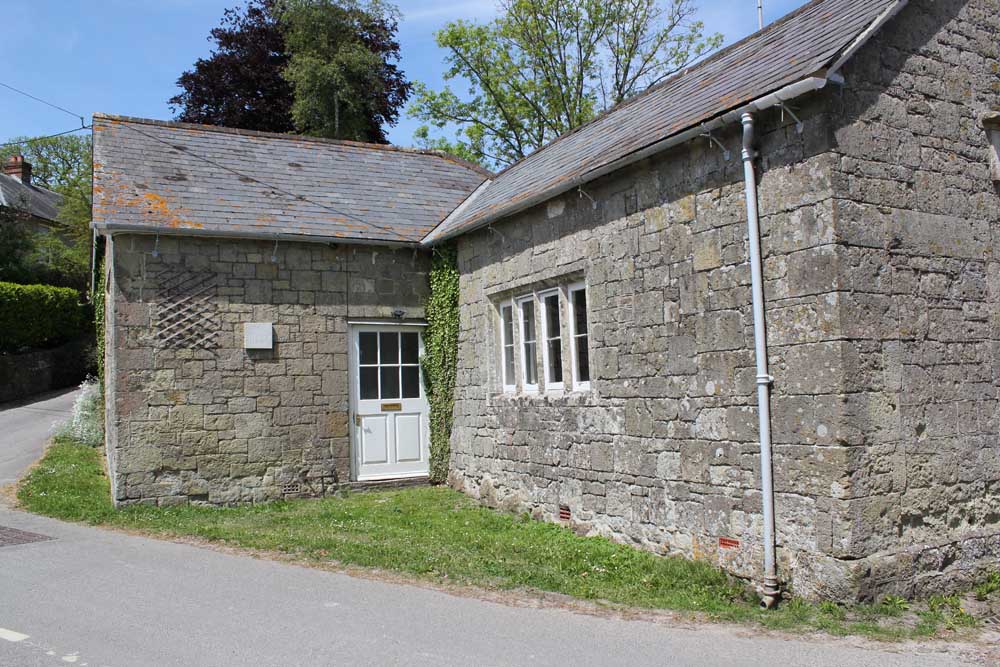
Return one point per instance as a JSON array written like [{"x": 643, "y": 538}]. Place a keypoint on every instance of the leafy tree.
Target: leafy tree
[
  {"x": 469, "y": 150},
  {"x": 64, "y": 165},
  {"x": 57, "y": 163},
  {"x": 240, "y": 84},
  {"x": 28, "y": 256},
  {"x": 544, "y": 67},
  {"x": 321, "y": 67},
  {"x": 16, "y": 244},
  {"x": 343, "y": 68}
]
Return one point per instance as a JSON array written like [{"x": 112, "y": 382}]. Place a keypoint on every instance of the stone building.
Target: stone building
[
  {"x": 610, "y": 307},
  {"x": 247, "y": 275}
]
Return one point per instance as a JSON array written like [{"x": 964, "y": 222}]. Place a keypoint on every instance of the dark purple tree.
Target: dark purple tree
[
  {"x": 241, "y": 83},
  {"x": 319, "y": 67}
]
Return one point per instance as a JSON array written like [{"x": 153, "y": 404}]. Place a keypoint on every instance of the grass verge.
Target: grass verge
[{"x": 439, "y": 535}]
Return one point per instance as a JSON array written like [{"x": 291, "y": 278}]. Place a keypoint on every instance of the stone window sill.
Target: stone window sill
[{"x": 558, "y": 396}]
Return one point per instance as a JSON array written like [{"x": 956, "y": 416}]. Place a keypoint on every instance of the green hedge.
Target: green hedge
[{"x": 33, "y": 316}]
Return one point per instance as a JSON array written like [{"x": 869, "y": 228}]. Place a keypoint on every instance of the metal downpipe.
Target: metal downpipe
[{"x": 770, "y": 591}]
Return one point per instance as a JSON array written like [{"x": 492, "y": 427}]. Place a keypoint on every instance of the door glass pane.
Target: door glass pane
[
  {"x": 410, "y": 343},
  {"x": 390, "y": 381},
  {"x": 368, "y": 347},
  {"x": 368, "y": 381},
  {"x": 389, "y": 347},
  {"x": 411, "y": 382}
]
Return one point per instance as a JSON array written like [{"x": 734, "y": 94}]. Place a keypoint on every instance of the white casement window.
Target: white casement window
[
  {"x": 540, "y": 320},
  {"x": 579, "y": 335},
  {"x": 507, "y": 346},
  {"x": 552, "y": 358},
  {"x": 529, "y": 344}
]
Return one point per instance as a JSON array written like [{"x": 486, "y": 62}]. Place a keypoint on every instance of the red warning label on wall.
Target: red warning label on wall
[{"x": 728, "y": 543}]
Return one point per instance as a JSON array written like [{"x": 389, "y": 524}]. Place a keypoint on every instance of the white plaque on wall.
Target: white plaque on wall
[{"x": 257, "y": 336}]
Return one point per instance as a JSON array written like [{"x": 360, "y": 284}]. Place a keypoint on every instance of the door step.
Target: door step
[{"x": 385, "y": 484}]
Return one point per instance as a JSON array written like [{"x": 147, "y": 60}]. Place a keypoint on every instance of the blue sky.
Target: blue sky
[{"x": 124, "y": 56}]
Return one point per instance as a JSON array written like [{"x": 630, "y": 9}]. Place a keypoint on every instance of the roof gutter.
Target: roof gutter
[
  {"x": 776, "y": 98},
  {"x": 109, "y": 228}
]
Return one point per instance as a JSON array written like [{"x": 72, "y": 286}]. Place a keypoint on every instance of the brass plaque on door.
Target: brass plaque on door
[{"x": 392, "y": 407}]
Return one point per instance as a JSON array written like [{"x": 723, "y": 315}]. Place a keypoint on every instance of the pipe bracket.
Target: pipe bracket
[
  {"x": 725, "y": 151},
  {"x": 799, "y": 127},
  {"x": 584, "y": 193},
  {"x": 765, "y": 380}
]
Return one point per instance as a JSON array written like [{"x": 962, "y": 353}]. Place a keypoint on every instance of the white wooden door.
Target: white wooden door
[{"x": 391, "y": 414}]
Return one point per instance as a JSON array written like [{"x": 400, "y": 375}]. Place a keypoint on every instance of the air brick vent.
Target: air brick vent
[{"x": 564, "y": 513}]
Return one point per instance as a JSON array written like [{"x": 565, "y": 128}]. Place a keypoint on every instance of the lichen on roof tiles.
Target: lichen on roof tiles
[{"x": 159, "y": 176}]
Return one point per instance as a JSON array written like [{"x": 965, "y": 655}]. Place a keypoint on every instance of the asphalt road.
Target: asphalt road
[
  {"x": 90, "y": 597},
  {"x": 26, "y": 426}
]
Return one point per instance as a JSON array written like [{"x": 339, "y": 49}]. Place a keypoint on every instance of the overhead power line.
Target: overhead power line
[
  {"x": 46, "y": 102},
  {"x": 30, "y": 140}
]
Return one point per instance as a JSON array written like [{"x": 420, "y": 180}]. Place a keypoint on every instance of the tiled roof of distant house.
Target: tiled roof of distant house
[{"x": 36, "y": 201}]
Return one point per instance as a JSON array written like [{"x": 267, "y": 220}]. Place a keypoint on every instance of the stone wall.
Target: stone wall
[
  {"x": 662, "y": 451},
  {"x": 223, "y": 424},
  {"x": 35, "y": 372},
  {"x": 917, "y": 224},
  {"x": 878, "y": 223}
]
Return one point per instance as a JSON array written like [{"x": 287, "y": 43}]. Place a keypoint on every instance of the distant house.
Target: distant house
[
  {"x": 41, "y": 206},
  {"x": 832, "y": 177}
]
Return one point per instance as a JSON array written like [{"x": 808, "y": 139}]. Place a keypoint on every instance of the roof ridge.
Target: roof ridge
[
  {"x": 198, "y": 127},
  {"x": 673, "y": 77},
  {"x": 31, "y": 186}
]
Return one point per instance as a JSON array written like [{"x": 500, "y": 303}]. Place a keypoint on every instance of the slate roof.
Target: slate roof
[
  {"x": 38, "y": 202},
  {"x": 158, "y": 176},
  {"x": 803, "y": 43}
]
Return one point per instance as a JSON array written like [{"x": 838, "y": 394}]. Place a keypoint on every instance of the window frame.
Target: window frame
[
  {"x": 542, "y": 296},
  {"x": 572, "y": 288},
  {"x": 520, "y": 302},
  {"x": 508, "y": 388}
]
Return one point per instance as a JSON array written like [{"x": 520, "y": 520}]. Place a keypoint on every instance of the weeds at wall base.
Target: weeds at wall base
[{"x": 436, "y": 534}]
